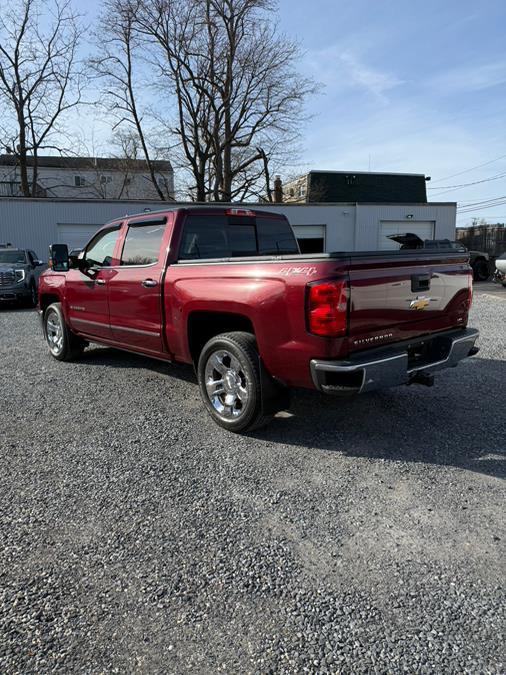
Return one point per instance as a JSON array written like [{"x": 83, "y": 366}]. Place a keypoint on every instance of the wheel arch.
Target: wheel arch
[
  {"x": 46, "y": 299},
  {"x": 203, "y": 325}
]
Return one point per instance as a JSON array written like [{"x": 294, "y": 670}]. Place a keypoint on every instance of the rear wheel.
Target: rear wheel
[
  {"x": 62, "y": 343},
  {"x": 230, "y": 381}
]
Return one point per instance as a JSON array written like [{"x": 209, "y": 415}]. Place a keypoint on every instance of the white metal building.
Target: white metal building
[{"x": 37, "y": 223}]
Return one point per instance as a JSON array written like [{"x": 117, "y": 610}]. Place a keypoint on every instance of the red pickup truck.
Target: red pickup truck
[{"x": 227, "y": 290}]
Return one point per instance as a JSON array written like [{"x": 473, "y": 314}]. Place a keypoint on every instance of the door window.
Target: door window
[
  {"x": 142, "y": 244},
  {"x": 100, "y": 250}
]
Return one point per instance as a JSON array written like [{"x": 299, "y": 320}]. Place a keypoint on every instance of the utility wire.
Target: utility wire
[
  {"x": 478, "y": 166},
  {"x": 451, "y": 188},
  {"x": 480, "y": 208},
  {"x": 465, "y": 205}
]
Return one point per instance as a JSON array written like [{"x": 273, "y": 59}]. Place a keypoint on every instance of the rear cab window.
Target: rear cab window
[{"x": 228, "y": 236}]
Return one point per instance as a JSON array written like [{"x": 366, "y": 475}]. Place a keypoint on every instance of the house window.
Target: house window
[
  {"x": 105, "y": 179},
  {"x": 302, "y": 190},
  {"x": 79, "y": 181}
]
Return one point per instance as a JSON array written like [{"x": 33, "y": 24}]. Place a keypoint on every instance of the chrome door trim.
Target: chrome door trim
[
  {"x": 135, "y": 330},
  {"x": 78, "y": 319}
]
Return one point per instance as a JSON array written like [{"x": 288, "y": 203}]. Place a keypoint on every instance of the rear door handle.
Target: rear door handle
[
  {"x": 149, "y": 283},
  {"x": 100, "y": 282}
]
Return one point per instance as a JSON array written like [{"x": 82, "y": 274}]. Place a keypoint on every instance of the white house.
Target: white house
[{"x": 88, "y": 178}]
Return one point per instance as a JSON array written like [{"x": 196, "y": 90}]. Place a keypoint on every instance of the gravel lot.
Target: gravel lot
[{"x": 362, "y": 535}]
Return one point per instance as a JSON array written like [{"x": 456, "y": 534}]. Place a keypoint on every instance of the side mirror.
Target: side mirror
[
  {"x": 74, "y": 259},
  {"x": 59, "y": 257},
  {"x": 38, "y": 263}
]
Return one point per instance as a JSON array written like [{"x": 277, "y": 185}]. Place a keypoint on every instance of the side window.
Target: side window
[
  {"x": 101, "y": 248},
  {"x": 218, "y": 237},
  {"x": 31, "y": 257},
  {"x": 142, "y": 243}
]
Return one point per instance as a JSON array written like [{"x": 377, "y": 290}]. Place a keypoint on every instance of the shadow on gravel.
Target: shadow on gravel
[
  {"x": 459, "y": 422},
  {"x": 115, "y": 358}
]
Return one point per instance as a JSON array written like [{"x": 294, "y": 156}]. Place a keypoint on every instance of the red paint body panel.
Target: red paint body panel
[{"x": 270, "y": 292}]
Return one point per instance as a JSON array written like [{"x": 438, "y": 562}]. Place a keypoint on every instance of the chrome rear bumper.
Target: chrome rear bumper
[{"x": 401, "y": 363}]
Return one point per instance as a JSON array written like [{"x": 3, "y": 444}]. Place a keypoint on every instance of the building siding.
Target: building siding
[
  {"x": 99, "y": 183},
  {"x": 33, "y": 223},
  {"x": 370, "y": 216}
]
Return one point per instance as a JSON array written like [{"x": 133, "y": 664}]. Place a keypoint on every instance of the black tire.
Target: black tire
[
  {"x": 480, "y": 270},
  {"x": 63, "y": 344},
  {"x": 33, "y": 297},
  {"x": 236, "y": 361}
]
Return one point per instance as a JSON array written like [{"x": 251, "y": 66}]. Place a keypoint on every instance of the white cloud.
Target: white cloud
[
  {"x": 470, "y": 78},
  {"x": 373, "y": 80},
  {"x": 341, "y": 69}
]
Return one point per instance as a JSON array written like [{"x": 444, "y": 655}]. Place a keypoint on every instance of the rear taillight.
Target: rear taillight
[{"x": 327, "y": 308}]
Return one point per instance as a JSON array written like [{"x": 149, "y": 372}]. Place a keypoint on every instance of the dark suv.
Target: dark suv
[{"x": 19, "y": 274}]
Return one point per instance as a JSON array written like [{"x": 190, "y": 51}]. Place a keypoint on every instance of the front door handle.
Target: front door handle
[
  {"x": 149, "y": 283},
  {"x": 100, "y": 282}
]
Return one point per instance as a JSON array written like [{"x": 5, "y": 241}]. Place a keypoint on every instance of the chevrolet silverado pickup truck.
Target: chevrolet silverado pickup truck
[{"x": 226, "y": 289}]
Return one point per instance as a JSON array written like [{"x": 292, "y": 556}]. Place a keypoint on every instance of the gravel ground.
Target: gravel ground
[{"x": 362, "y": 535}]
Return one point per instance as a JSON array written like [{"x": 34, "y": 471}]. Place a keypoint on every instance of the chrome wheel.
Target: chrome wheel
[
  {"x": 226, "y": 384},
  {"x": 54, "y": 332}
]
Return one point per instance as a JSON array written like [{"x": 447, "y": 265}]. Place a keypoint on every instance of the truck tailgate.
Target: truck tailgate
[{"x": 407, "y": 295}]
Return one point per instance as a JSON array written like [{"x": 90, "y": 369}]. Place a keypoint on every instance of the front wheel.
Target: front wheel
[
  {"x": 230, "y": 381},
  {"x": 33, "y": 297},
  {"x": 62, "y": 343}
]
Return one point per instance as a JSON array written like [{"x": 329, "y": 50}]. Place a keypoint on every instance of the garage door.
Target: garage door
[
  {"x": 76, "y": 236},
  {"x": 311, "y": 238},
  {"x": 423, "y": 228}
]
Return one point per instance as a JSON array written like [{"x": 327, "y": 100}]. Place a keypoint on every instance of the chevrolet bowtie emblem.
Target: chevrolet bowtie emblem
[{"x": 419, "y": 303}]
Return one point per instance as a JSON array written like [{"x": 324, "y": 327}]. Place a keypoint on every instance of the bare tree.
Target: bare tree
[
  {"x": 118, "y": 63},
  {"x": 40, "y": 79},
  {"x": 238, "y": 93},
  {"x": 183, "y": 67}
]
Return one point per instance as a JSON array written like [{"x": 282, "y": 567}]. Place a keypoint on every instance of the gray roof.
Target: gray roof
[{"x": 102, "y": 163}]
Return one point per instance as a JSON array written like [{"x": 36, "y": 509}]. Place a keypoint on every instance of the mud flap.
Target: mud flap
[{"x": 275, "y": 396}]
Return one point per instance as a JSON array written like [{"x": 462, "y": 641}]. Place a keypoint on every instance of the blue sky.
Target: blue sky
[{"x": 407, "y": 86}]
